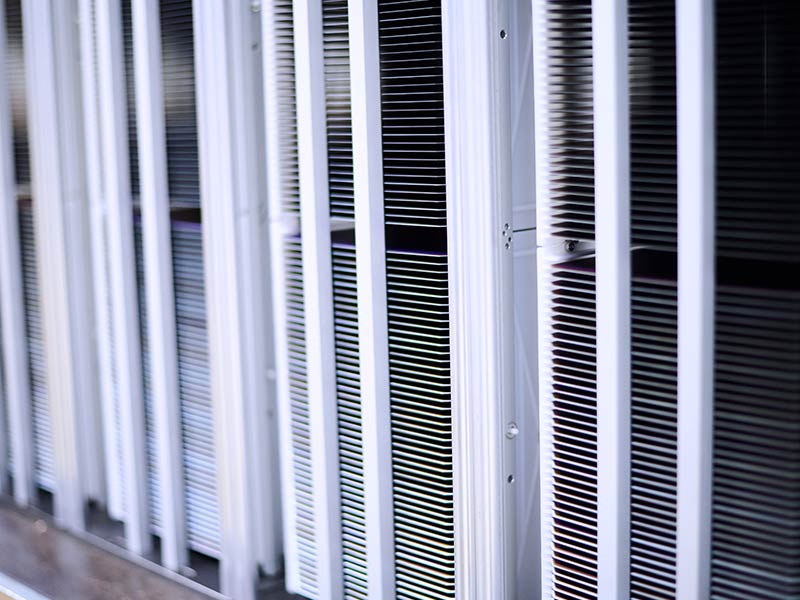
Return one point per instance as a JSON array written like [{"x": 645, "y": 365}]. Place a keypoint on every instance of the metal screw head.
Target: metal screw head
[
  {"x": 512, "y": 430},
  {"x": 570, "y": 245}
]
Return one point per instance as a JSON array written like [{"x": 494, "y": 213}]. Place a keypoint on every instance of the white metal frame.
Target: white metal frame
[
  {"x": 51, "y": 59},
  {"x": 94, "y": 187},
  {"x": 480, "y": 238},
  {"x": 124, "y": 299},
  {"x": 547, "y": 253},
  {"x": 317, "y": 269},
  {"x": 279, "y": 227},
  {"x": 696, "y": 280},
  {"x": 233, "y": 208},
  {"x": 159, "y": 286},
  {"x": 613, "y": 291},
  {"x": 12, "y": 310},
  {"x": 373, "y": 338}
]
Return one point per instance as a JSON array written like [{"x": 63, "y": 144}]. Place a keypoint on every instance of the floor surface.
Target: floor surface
[{"x": 61, "y": 566}]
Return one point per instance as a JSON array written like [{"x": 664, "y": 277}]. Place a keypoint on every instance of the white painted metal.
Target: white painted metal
[
  {"x": 65, "y": 18},
  {"x": 480, "y": 238},
  {"x": 613, "y": 277},
  {"x": 125, "y": 313},
  {"x": 523, "y": 173},
  {"x": 279, "y": 110},
  {"x": 527, "y": 481},
  {"x": 157, "y": 245},
  {"x": 97, "y": 210},
  {"x": 371, "y": 278},
  {"x": 233, "y": 206},
  {"x": 542, "y": 166},
  {"x": 696, "y": 278},
  {"x": 51, "y": 59},
  {"x": 12, "y": 312},
  {"x": 315, "y": 233},
  {"x": 526, "y": 389}
]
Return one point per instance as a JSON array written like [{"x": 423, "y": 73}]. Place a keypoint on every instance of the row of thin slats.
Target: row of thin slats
[
  {"x": 570, "y": 511},
  {"x": 756, "y": 493},
  {"x": 421, "y": 421},
  {"x": 180, "y": 108},
  {"x": 348, "y": 394},
  {"x": 412, "y": 109},
  {"x": 654, "y": 352},
  {"x": 42, "y": 431},
  {"x": 197, "y": 426},
  {"x": 339, "y": 137},
  {"x": 15, "y": 78},
  {"x": 756, "y": 460},
  {"x": 568, "y": 33},
  {"x": 305, "y": 521},
  {"x": 654, "y": 430},
  {"x": 336, "y": 60}
]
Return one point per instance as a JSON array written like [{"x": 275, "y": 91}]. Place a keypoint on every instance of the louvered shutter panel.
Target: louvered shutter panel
[
  {"x": 412, "y": 105},
  {"x": 42, "y": 431},
  {"x": 569, "y": 288},
  {"x": 568, "y": 347},
  {"x": 755, "y": 520},
  {"x": 336, "y": 60},
  {"x": 654, "y": 311}
]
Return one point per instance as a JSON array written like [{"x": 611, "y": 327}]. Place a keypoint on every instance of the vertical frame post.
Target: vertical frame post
[
  {"x": 696, "y": 281},
  {"x": 316, "y": 234},
  {"x": 613, "y": 271},
  {"x": 94, "y": 188},
  {"x": 371, "y": 276},
  {"x": 477, "y": 126},
  {"x": 157, "y": 246},
  {"x": 125, "y": 313},
  {"x": 51, "y": 59},
  {"x": 279, "y": 126},
  {"x": 12, "y": 311},
  {"x": 234, "y": 207}
]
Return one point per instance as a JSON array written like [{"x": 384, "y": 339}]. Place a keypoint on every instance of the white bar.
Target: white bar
[
  {"x": 696, "y": 279},
  {"x": 479, "y": 213},
  {"x": 122, "y": 266},
  {"x": 317, "y": 269},
  {"x": 278, "y": 127},
  {"x": 231, "y": 155},
  {"x": 373, "y": 338},
  {"x": 102, "y": 329},
  {"x": 78, "y": 251},
  {"x": 15, "y": 349},
  {"x": 544, "y": 246},
  {"x": 51, "y": 61},
  {"x": 613, "y": 282},
  {"x": 157, "y": 247}
]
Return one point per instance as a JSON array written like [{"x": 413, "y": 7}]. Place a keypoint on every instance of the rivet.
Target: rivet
[{"x": 512, "y": 430}]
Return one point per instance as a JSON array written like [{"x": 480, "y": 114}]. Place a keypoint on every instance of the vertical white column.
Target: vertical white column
[
  {"x": 94, "y": 188},
  {"x": 12, "y": 310},
  {"x": 233, "y": 204},
  {"x": 275, "y": 33},
  {"x": 51, "y": 59},
  {"x": 477, "y": 137},
  {"x": 122, "y": 265},
  {"x": 613, "y": 285},
  {"x": 316, "y": 235},
  {"x": 696, "y": 279},
  {"x": 371, "y": 276},
  {"x": 157, "y": 247}
]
